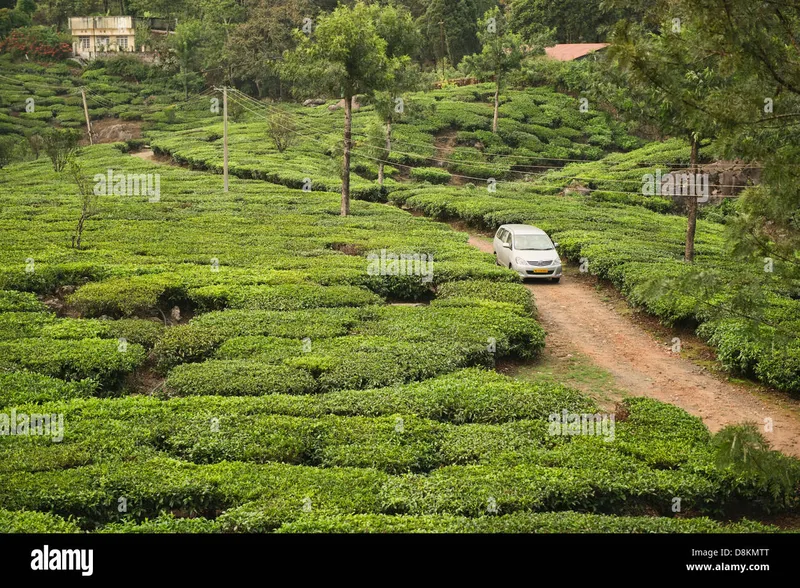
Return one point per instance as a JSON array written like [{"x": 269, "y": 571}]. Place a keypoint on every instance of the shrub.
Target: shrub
[
  {"x": 128, "y": 296},
  {"x": 142, "y": 332},
  {"x": 165, "y": 523},
  {"x": 471, "y": 291},
  {"x": 24, "y": 521},
  {"x": 60, "y": 145},
  {"x": 430, "y": 174},
  {"x": 38, "y": 41},
  {"x": 238, "y": 378},
  {"x": 281, "y": 129},
  {"x": 11, "y": 300},
  {"x": 283, "y": 297},
  {"x": 98, "y": 359},
  {"x": 556, "y": 522},
  {"x": 24, "y": 387},
  {"x": 185, "y": 343}
]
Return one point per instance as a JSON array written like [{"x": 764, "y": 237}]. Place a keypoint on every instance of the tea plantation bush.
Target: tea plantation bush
[
  {"x": 34, "y": 522},
  {"x": 562, "y": 522},
  {"x": 266, "y": 368},
  {"x": 440, "y": 447}
]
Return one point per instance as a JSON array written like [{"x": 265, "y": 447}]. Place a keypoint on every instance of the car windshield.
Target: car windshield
[{"x": 532, "y": 243}]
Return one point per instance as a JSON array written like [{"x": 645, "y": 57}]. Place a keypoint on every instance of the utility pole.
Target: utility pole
[
  {"x": 225, "y": 137},
  {"x": 86, "y": 114}
]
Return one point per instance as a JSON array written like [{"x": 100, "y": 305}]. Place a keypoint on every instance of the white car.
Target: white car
[{"x": 528, "y": 251}]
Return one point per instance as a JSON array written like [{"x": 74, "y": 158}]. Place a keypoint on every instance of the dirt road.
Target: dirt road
[{"x": 578, "y": 319}]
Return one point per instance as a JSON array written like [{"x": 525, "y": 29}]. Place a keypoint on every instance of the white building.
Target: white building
[{"x": 94, "y": 35}]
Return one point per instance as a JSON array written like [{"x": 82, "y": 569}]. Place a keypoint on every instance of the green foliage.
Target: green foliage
[
  {"x": 127, "y": 296},
  {"x": 561, "y": 522},
  {"x": 23, "y": 521},
  {"x": 477, "y": 292},
  {"x": 166, "y": 523},
  {"x": 457, "y": 36},
  {"x": 744, "y": 449},
  {"x": 345, "y": 53},
  {"x": 237, "y": 378},
  {"x": 98, "y": 359},
  {"x": 430, "y": 174},
  {"x": 60, "y": 145},
  {"x": 24, "y": 387},
  {"x": 572, "y": 21},
  {"x": 13, "y": 301}
]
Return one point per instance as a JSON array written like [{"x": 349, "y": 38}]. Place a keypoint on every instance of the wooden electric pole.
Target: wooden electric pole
[
  {"x": 86, "y": 114},
  {"x": 225, "y": 137}
]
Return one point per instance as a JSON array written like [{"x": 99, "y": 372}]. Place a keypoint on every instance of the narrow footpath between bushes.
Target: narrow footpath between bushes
[{"x": 578, "y": 320}]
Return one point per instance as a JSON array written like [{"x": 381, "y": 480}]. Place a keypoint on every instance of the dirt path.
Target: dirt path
[
  {"x": 579, "y": 321},
  {"x": 146, "y": 154}
]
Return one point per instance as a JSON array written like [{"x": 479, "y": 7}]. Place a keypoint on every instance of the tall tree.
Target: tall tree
[
  {"x": 254, "y": 50},
  {"x": 572, "y": 21},
  {"x": 185, "y": 44},
  {"x": 395, "y": 25},
  {"x": 758, "y": 45},
  {"x": 501, "y": 54},
  {"x": 344, "y": 53},
  {"x": 677, "y": 82},
  {"x": 451, "y": 29}
]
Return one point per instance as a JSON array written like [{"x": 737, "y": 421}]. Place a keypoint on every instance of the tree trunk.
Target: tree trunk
[
  {"x": 388, "y": 149},
  {"x": 692, "y": 225},
  {"x": 348, "y": 120},
  {"x": 76, "y": 238},
  {"x": 185, "y": 84},
  {"x": 496, "y": 105}
]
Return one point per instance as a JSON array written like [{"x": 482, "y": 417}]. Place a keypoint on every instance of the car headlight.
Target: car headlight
[
  {"x": 556, "y": 262},
  {"x": 521, "y": 261}
]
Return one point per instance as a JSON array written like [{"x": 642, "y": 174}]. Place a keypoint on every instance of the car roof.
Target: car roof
[{"x": 523, "y": 229}]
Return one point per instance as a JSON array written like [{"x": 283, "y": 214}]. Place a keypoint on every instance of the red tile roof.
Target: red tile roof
[{"x": 571, "y": 51}]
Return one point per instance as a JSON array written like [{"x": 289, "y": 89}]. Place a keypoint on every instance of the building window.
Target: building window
[
  {"x": 84, "y": 42},
  {"x": 102, "y": 43},
  {"x": 122, "y": 43}
]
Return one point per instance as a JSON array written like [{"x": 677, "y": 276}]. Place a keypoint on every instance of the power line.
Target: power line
[
  {"x": 354, "y": 151},
  {"x": 474, "y": 164}
]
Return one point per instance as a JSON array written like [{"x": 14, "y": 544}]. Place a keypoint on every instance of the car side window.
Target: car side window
[
  {"x": 501, "y": 234},
  {"x": 507, "y": 237}
]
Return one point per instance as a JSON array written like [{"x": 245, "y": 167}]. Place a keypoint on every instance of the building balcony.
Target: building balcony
[{"x": 109, "y": 23}]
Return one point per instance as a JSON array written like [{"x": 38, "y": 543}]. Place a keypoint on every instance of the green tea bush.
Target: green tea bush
[
  {"x": 97, "y": 359},
  {"x": 430, "y": 174},
  {"x": 185, "y": 343},
  {"x": 24, "y": 387},
  {"x": 166, "y": 523},
  {"x": 25, "y": 521},
  {"x": 470, "y": 291},
  {"x": 128, "y": 296},
  {"x": 545, "y": 522},
  {"x": 238, "y": 378},
  {"x": 13, "y": 301},
  {"x": 286, "y": 297}
]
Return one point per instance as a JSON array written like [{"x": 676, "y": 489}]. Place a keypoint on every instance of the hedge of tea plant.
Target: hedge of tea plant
[
  {"x": 231, "y": 357},
  {"x": 35, "y": 97},
  {"x": 538, "y": 129},
  {"x": 473, "y": 445},
  {"x": 262, "y": 261}
]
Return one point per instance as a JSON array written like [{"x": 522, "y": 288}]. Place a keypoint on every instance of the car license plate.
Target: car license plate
[{"x": 541, "y": 271}]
